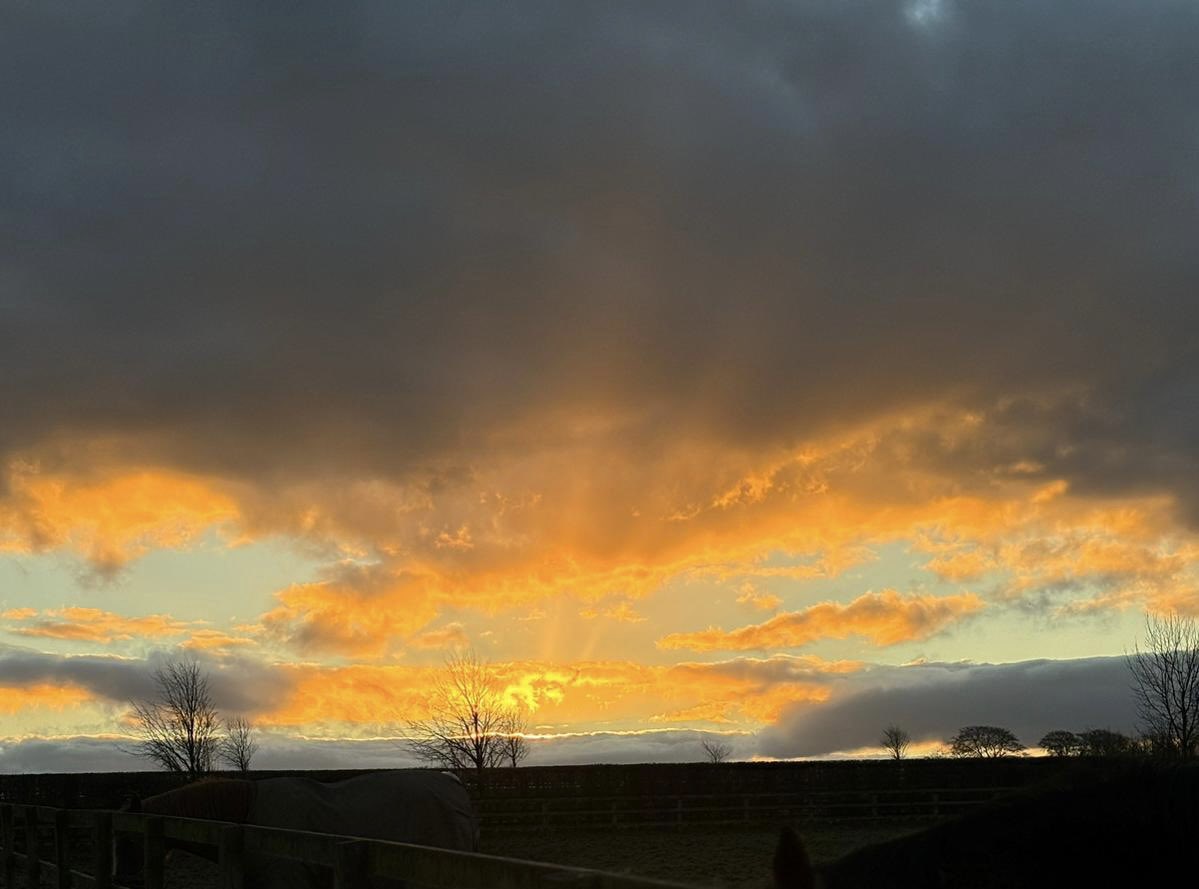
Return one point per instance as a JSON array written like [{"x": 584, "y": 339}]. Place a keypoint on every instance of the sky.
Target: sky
[{"x": 780, "y": 370}]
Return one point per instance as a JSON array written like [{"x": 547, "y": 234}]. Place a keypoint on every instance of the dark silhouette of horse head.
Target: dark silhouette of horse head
[{"x": 792, "y": 867}]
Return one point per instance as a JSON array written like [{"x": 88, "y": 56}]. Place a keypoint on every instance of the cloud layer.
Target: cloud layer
[
  {"x": 544, "y": 226},
  {"x": 238, "y": 684},
  {"x": 884, "y": 618},
  {"x": 932, "y": 701}
]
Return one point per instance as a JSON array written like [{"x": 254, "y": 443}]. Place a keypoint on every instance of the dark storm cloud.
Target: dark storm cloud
[
  {"x": 777, "y": 670},
  {"x": 81, "y": 754},
  {"x": 239, "y": 685},
  {"x": 115, "y": 679},
  {"x": 373, "y": 236},
  {"x": 106, "y": 754},
  {"x": 932, "y": 701}
]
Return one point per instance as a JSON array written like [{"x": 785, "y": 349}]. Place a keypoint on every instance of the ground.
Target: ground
[
  {"x": 729, "y": 859},
  {"x": 734, "y": 858}
]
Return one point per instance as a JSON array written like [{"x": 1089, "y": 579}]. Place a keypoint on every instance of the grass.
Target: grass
[{"x": 738, "y": 858}]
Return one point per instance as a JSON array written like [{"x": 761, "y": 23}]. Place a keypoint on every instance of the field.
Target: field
[
  {"x": 728, "y": 859},
  {"x": 735, "y": 858}
]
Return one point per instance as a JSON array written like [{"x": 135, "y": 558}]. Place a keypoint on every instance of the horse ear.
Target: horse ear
[
  {"x": 131, "y": 802},
  {"x": 792, "y": 869}
]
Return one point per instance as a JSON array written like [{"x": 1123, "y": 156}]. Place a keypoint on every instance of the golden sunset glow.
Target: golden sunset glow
[
  {"x": 885, "y": 618},
  {"x": 621, "y": 694},
  {"x": 90, "y": 625},
  {"x": 107, "y": 520},
  {"x": 582, "y": 595},
  {"x": 49, "y": 697}
]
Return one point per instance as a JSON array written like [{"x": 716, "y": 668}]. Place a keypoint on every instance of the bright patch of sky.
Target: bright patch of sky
[
  {"x": 926, "y": 13},
  {"x": 209, "y": 581}
]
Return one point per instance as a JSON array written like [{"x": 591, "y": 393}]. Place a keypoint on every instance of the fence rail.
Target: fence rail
[
  {"x": 104, "y": 790},
  {"x": 527, "y": 813},
  {"x": 352, "y": 860}
]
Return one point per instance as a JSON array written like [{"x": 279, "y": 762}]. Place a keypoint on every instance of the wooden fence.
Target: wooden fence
[
  {"x": 697, "y": 809},
  {"x": 351, "y": 860},
  {"x": 737, "y": 778},
  {"x": 652, "y": 781}
]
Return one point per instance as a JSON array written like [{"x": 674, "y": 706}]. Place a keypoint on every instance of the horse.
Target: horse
[
  {"x": 1104, "y": 825},
  {"x": 420, "y": 807}
]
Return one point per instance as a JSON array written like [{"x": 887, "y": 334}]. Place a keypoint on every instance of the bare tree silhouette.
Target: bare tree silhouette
[
  {"x": 1165, "y": 683},
  {"x": 239, "y": 744},
  {"x": 178, "y": 726},
  {"x": 513, "y": 742},
  {"x": 469, "y": 726},
  {"x": 896, "y": 741},
  {"x": 716, "y": 751}
]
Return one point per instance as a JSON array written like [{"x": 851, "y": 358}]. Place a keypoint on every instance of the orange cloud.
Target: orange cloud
[
  {"x": 108, "y": 519},
  {"x": 1092, "y": 552},
  {"x": 217, "y": 641},
  {"x": 1182, "y": 601},
  {"x": 92, "y": 625},
  {"x": 759, "y": 689},
  {"x": 1148, "y": 595},
  {"x": 712, "y": 712},
  {"x": 14, "y": 699},
  {"x": 459, "y": 540},
  {"x": 764, "y": 601},
  {"x": 18, "y": 613},
  {"x": 962, "y": 566},
  {"x": 451, "y": 636},
  {"x": 885, "y": 618},
  {"x": 578, "y": 514},
  {"x": 329, "y": 699},
  {"x": 360, "y": 610}
]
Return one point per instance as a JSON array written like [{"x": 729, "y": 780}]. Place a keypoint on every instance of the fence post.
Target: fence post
[
  {"x": 8, "y": 830},
  {"x": 349, "y": 870},
  {"x": 155, "y": 853},
  {"x": 62, "y": 850},
  {"x": 936, "y": 804},
  {"x": 231, "y": 858},
  {"x": 102, "y": 837},
  {"x": 33, "y": 863}
]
